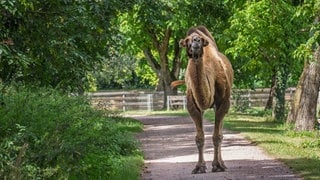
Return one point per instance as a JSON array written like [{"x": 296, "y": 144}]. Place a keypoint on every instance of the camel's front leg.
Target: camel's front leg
[
  {"x": 196, "y": 116},
  {"x": 201, "y": 165},
  {"x": 218, "y": 164}
]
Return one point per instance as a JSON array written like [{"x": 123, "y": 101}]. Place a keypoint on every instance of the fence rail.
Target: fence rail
[
  {"x": 144, "y": 100},
  {"x": 127, "y": 100},
  {"x": 174, "y": 102},
  {"x": 257, "y": 97}
]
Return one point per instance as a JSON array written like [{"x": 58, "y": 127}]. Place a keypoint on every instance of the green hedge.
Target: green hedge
[{"x": 47, "y": 134}]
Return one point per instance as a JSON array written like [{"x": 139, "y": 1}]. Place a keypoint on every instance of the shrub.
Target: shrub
[
  {"x": 47, "y": 134},
  {"x": 241, "y": 101}
]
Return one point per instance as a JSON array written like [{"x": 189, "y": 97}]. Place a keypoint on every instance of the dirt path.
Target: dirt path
[{"x": 170, "y": 153}]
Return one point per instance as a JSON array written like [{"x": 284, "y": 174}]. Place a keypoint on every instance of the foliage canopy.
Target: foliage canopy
[{"x": 55, "y": 43}]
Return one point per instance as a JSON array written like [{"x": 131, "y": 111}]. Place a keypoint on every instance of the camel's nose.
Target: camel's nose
[{"x": 195, "y": 46}]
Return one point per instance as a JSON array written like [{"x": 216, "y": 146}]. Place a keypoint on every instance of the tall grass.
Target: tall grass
[{"x": 47, "y": 134}]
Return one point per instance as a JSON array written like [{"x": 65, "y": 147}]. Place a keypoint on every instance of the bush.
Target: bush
[
  {"x": 46, "y": 134},
  {"x": 241, "y": 101}
]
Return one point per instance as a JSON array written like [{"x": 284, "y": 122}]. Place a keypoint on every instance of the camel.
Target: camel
[{"x": 209, "y": 78}]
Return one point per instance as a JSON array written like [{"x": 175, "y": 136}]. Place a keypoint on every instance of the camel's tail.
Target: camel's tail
[{"x": 177, "y": 83}]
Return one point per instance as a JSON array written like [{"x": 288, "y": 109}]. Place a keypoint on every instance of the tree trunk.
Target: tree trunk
[
  {"x": 269, "y": 104},
  {"x": 165, "y": 73},
  {"x": 278, "y": 112},
  {"x": 295, "y": 102},
  {"x": 303, "y": 111}
]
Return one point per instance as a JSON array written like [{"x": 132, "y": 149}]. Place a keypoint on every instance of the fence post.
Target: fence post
[
  {"x": 249, "y": 98},
  {"x": 123, "y": 102},
  {"x": 168, "y": 103},
  {"x": 184, "y": 102},
  {"x": 150, "y": 102}
]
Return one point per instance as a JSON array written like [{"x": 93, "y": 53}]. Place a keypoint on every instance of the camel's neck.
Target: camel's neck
[{"x": 197, "y": 81}]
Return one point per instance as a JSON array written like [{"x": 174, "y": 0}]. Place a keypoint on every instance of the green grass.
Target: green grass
[{"x": 299, "y": 150}]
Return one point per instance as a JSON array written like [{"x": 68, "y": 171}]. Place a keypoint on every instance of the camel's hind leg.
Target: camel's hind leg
[
  {"x": 196, "y": 116},
  {"x": 221, "y": 110}
]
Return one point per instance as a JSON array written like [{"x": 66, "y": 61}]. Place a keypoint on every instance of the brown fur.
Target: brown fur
[{"x": 209, "y": 78}]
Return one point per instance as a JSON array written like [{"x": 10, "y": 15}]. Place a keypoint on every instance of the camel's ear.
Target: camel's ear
[
  {"x": 183, "y": 42},
  {"x": 205, "y": 42}
]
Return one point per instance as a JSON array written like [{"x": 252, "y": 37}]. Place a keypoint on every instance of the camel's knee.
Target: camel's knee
[
  {"x": 200, "y": 141},
  {"x": 217, "y": 140},
  {"x": 194, "y": 112},
  {"x": 223, "y": 108}
]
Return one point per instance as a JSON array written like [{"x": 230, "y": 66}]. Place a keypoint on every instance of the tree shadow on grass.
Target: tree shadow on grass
[
  {"x": 246, "y": 126},
  {"x": 312, "y": 166}
]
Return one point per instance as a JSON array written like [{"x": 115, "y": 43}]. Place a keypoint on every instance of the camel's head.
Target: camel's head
[{"x": 194, "y": 44}]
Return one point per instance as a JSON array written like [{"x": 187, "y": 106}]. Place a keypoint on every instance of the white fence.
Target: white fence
[
  {"x": 141, "y": 100},
  {"x": 174, "y": 102},
  {"x": 257, "y": 97},
  {"x": 129, "y": 100}
]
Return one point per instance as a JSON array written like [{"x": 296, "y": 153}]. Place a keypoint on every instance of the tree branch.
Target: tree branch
[
  {"x": 176, "y": 59},
  {"x": 151, "y": 60},
  {"x": 154, "y": 39},
  {"x": 265, "y": 55},
  {"x": 165, "y": 44}
]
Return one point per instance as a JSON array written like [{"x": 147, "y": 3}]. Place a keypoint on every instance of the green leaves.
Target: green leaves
[
  {"x": 60, "y": 42},
  {"x": 310, "y": 13},
  {"x": 157, "y": 26},
  {"x": 266, "y": 32}
]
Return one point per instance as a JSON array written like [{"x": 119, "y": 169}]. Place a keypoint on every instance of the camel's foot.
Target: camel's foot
[
  {"x": 218, "y": 167},
  {"x": 199, "y": 169}
]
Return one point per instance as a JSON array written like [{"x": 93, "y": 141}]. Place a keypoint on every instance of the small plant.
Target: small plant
[{"x": 311, "y": 144}]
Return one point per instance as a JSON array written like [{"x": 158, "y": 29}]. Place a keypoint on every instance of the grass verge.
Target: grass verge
[{"x": 299, "y": 150}]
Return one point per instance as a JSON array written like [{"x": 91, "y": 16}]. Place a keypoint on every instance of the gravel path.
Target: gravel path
[{"x": 170, "y": 153}]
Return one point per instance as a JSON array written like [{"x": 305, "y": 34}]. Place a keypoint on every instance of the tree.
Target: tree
[
  {"x": 147, "y": 26},
  {"x": 155, "y": 28},
  {"x": 55, "y": 43},
  {"x": 118, "y": 68},
  {"x": 263, "y": 35},
  {"x": 304, "y": 105}
]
